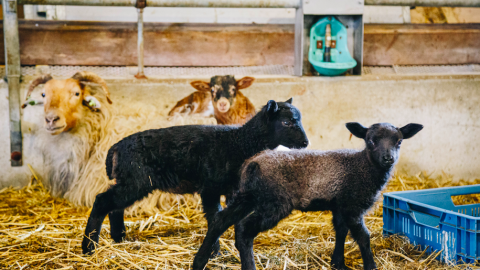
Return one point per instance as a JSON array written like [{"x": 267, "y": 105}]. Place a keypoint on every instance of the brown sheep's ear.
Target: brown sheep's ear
[
  {"x": 245, "y": 82},
  {"x": 201, "y": 86}
]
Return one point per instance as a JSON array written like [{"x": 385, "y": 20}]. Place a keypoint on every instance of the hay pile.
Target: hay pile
[{"x": 41, "y": 232}]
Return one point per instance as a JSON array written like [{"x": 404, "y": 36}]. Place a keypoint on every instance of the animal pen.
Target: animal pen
[{"x": 397, "y": 72}]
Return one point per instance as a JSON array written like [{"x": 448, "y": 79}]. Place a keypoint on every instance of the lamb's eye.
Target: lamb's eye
[
  {"x": 77, "y": 94},
  {"x": 286, "y": 123},
  {"x": 371, "y": 142},
  {"x": 399, "y": 143},
  {"x": 43, "y": 94}
]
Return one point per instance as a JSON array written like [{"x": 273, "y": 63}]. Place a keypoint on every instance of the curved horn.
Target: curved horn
[
  {"x": 40, "y": 80},
  {"x": 86, "y": 76}
]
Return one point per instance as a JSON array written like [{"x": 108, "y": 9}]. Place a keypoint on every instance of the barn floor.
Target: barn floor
[{"x": 41, "y": 232}]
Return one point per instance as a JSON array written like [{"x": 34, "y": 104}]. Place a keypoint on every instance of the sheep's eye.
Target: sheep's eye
[
  {"x": 371, "y": 142},
  {"x": 43, "y": 94},
  {"x": 287, "y": 123},
  {"x": 399, "y": 143},
  {"x": 77, "y": 94}
]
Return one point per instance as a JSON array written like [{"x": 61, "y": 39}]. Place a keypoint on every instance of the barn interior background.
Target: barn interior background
[{"x": 417, "y": 64}]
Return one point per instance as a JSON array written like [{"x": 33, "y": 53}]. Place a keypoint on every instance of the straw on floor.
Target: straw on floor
[{"x": 38, "y": 231}]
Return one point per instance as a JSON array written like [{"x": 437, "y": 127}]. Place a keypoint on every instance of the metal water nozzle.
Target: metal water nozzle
[{"x": 328, "y": 43}]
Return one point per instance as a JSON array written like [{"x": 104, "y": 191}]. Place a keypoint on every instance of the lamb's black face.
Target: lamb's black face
[
  {"x": 383, "y": 140},
  {"x": 285, "y": 124}
]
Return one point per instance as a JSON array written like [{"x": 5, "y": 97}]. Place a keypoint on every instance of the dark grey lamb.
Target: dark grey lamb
[
  {"x": 347, "y": 182},
  {"x": 188, "y": 159}
]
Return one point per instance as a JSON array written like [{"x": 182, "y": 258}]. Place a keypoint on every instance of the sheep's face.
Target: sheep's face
[
  {"x": 63, "y": 105},
  {"x": 223, "y": 90},
  {"x": 383, "y": 140},
  {"x": 64, "y": 99},
  {"x": 285, "y": 124}
]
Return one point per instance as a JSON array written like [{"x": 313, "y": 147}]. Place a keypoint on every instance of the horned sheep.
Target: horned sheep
[{"x": 347, "y": 182}]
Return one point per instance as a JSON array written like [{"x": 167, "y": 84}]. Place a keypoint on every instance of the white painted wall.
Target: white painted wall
[{"x": 373, "y": 14}]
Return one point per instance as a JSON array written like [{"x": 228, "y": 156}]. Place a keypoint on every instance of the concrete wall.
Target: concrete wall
[{"x": 446, "y": 105}]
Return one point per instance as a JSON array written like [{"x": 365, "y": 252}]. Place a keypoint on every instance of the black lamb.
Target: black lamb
[
  {"x": 347, "y": 182},
  {"x": 188, "y": 159}
]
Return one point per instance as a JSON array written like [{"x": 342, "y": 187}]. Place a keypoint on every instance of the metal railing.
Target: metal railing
[
  {"x": 173, "y": 3},
  {"x": 424, "y": 3},
  {"x": 246, "y": 3}
]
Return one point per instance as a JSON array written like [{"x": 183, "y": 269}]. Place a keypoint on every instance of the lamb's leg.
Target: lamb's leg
[
  {"x": 117, "y": 225},
  {"x": 244, "y": 244},
  {"x": 115, "y": 198},
  {"x": 220, "y": 223},
  {"x": 361, "y": 235},
  {"x": 341, "y": 231},
  {"x": 211, "y": 206},
  {"x": 260, "y": 220}
]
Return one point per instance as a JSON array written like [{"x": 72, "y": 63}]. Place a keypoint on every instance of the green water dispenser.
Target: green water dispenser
[{"x": 328, "y": 51}]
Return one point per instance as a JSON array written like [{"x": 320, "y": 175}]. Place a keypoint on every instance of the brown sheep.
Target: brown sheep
[{"x": 221, "y": 98}]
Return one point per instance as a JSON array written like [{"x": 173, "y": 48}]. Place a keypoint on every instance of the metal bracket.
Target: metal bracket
[
  {"x": 141, "y": 4},
  {"x": 12, "y": 6}
]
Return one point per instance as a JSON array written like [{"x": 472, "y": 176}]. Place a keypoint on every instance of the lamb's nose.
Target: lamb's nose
[
  {"x": 305, "y": 143},
  {"x": 388, "y": 159}
]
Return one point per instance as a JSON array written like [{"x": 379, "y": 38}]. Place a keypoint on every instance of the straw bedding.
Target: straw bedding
[{"x": 38, "y": 231}]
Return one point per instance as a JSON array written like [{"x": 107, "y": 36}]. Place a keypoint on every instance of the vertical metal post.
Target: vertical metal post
[
  {"x": 12, "y": 62},
  {"x": 298, "y": 57},
  {"x": 140, "y": 6}
]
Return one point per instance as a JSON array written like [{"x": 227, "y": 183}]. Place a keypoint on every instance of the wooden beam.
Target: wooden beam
[
  {"x": 105, "y": 43},
  {"x": 166, "y": 44},
  {"x": 421, "y": 44}
]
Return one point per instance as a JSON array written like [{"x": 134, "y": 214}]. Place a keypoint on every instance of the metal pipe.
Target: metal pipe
[
  {"x": 79, "y": 2},
  {"x": 173, "y": 3},
  {"x": 226, "y": 3},
  {"x": 425, "y": 3},
  {"x": 246, "y": 3},
  {"x": 12, "y": 61},
  {"x": 140, "y": 74}
]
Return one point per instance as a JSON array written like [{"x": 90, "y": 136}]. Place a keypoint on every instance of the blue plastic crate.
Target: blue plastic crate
[{"x": 430, "y": 218}]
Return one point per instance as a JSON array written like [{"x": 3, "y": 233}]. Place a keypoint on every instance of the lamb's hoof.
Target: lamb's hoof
[
  {"x": 88, "y": 247},
  {"x": 118, "y": 238},
  {"x": 340, "y": 266}
]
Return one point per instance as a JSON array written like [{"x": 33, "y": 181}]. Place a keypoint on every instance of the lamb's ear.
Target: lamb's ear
[
  {"x": 245, "y": 82},
  {"x": 410, "y": 130},
  {"x": 357, "y": 129},
  {"x": 92, "y": 103},
  {"x": 290, "y": 100},
  {"x": 201, "y": 86},
  {"x": 271, "y": 107}
]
